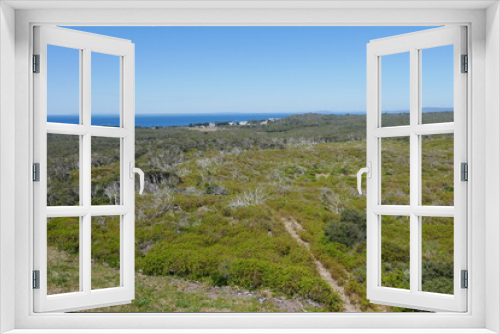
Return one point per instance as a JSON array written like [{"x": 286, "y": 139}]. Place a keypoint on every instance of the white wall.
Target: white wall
[
  {"x": 7, "y": 161},
  {"x": 492, "y": 163}
]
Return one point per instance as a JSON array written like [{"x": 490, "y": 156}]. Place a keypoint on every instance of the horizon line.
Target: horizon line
[{"x": 442, "y": 109}]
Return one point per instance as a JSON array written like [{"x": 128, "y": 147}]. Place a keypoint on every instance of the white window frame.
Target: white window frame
[
  {"x": 414, "y": 43},
  {"x": 483, "y": 125},
  {"x": 86, "y": 44}
]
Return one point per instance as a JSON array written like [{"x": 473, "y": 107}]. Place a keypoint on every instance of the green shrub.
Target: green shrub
[
  {"x": 437, "y": 276},
  {"x": 350, "y": 230},
  {"x": 64, "y": 233}
]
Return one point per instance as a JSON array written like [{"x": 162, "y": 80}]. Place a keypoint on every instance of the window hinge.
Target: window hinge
[
  {"x": 464, "y": 171},
  {"x": 465, "y": 279},
  {"x": 465, "y": 64},
  {"x": 36, "y": 63},
  {"x": 36, "y": 172},
  {"x": 36, "y": 279}
]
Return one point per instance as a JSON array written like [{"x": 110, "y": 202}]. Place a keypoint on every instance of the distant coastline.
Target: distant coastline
[{"x": 161, "y": 120}]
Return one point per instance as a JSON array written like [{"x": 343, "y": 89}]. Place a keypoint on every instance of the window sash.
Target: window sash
[
  {"x": 87, "y": 297},
  {"x": 413, "y": 298}
]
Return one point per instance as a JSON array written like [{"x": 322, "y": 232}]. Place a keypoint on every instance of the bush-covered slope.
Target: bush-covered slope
[{"x": 214, "y": 203}]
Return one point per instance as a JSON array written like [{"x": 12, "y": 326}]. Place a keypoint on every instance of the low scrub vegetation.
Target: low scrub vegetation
[{"x": 214, "y": 203}]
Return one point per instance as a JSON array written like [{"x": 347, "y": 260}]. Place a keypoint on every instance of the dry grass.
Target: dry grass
[{"x": 167, "y": 294}]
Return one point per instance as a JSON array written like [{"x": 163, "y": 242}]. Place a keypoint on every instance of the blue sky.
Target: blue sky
[{"x": 247, "y": 70}]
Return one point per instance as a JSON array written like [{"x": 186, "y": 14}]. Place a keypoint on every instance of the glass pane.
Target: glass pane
[
  {"x": 63, "y": 85},
  {"x": 437, "y": 84},
  {"x": 105, "y": 252},
  {"x": 395, "y": 172},
  {"x": 395, "y": 265},
  {"x": 437, "y": 170},
  {"x": 437, "y": 254},
  {"x": 105, "y": 188},
  {"x": 105, "y": 89},
  {"x": 63, "y": 248},
  {"x": 395, "y": 89},
  {"x": 63, "y": 171}
]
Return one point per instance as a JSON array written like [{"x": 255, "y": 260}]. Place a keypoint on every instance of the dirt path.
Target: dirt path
[{"x": 293, "y": 227}]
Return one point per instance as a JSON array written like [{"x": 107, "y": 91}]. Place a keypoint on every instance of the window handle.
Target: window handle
[
  {"x": 368, "y": 171},
  {"x": 134, "y": 170}
]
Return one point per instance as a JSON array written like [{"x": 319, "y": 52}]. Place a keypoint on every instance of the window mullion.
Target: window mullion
[
  {"x": 82, "y": 225},
  {"x": 86, "y": 164},
  {"x": 85, "y": 256},
  {"x": 422, "y": 129},
  {"x": 414, "y": 171}
]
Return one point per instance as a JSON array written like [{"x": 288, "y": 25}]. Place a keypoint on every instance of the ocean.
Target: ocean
[
  {"x": 169, "y": 119},
  {"x": 152, "y": 120}
]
